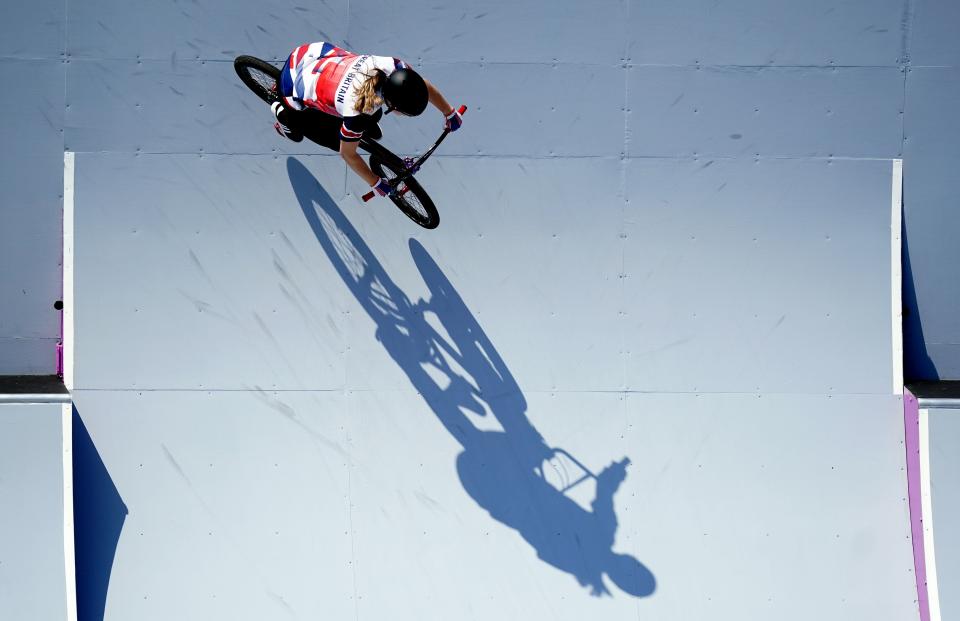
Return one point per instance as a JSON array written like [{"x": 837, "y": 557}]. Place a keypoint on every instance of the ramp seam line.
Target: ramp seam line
[
  {"x": 511, "y": 156},
  {"x": 759, "y": 395},
  {"x": 487, "y": 63}
]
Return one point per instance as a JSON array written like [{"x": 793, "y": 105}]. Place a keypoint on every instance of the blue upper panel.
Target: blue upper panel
[
  {"x": 933, "y": 33},
  {"x": 200, "y": 106},
  {"x": 217, "y": 29},
  {"x": 765, "y": 32},
  {"x": 31, "y": 185},
  {"x": 31, "y": 30},
  {"x": 498, "y": 31}
]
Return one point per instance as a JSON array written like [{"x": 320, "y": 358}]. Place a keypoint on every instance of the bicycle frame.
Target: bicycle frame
[
  {"x": 417, "y": 164},
  {"x": 588, "y": 474}
]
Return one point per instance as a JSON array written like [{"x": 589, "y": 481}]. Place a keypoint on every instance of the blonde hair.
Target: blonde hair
[{"x": 368, "y": 99}]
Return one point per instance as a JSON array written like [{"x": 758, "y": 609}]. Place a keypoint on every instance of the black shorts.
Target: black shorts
[{"x": 324, "y": 129}]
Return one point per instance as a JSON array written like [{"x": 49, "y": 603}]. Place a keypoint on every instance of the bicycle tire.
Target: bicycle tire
[
  {"x": 249, "y": 68},
  {"x": 422, "y": 211}
]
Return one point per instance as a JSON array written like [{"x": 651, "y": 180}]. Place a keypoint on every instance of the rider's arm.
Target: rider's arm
[
  {"x": 436, "y": 98},
  {"x": 350, "y": 133},
  {"x": 452, "y": 117},
  {"x": 348, "y": 151}
]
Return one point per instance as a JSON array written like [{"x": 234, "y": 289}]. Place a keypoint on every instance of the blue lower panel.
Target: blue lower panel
[
  {"x": 766, "y": 276},
  {"x": 930, "y": 219},
  {"x": 766, "y": 111},
  {"x": 28, "y": 356},
  {"x": 32, "y": 567},
  {"x": 254, "y": 504},
  {"x": 728, "y": 276},
  {"x": 231, "y": 505}
]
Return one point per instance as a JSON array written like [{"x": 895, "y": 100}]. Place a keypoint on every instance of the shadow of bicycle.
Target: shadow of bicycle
[{"x": 450, "y": 361}]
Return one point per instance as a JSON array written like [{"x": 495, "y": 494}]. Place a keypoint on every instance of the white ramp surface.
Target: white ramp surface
[
  {"x": 642, "y": 369},
  {"x": 336, "y": 415}
]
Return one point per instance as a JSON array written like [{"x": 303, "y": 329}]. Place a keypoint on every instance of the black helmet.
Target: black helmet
[{"x": 405, "y": 91}]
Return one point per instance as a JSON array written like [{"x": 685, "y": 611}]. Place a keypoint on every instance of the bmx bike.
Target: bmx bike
[{"x": 409, "y": 196}]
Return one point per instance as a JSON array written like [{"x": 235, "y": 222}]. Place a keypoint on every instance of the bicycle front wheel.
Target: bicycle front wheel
[
  {"x": 410, "y": 196},
  {"x": 260, "y": 77}
]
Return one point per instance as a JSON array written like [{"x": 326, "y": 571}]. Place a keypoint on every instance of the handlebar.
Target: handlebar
[{"x": 399, "y": 178}]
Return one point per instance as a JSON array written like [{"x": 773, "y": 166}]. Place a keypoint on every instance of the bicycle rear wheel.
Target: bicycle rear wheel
[
  {"x": 260, "y": 77},
  {"x": 410, "y": 196}
]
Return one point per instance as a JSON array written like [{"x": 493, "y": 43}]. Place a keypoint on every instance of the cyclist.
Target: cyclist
[{"x": 334, "y": 97}]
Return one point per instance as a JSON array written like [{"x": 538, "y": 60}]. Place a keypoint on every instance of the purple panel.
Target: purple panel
[{"x": 911, "y": 425}]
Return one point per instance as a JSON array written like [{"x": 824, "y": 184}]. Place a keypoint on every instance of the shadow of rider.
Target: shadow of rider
[{"x": 461, "y": 376}]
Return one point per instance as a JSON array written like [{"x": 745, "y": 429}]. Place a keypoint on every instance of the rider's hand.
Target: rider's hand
[
  {"x": 454, "y": 121},
  {"x": 280, "y": 126},
  {"x": 383, "y": 187},
  {"x": 411, "y": 165}
]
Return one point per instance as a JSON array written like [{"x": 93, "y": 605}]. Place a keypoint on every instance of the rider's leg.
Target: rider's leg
[
  {"x": 374, "y": 131},
  {"x": 286, "y": 122},
  {"x": 323, "y": 129}
]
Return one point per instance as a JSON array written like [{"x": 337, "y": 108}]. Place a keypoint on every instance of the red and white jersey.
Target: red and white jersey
[{"x": 325, "y": 77}]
